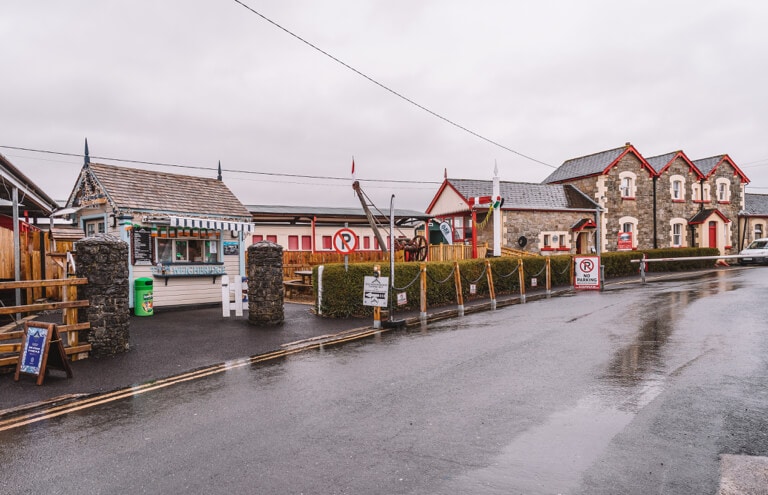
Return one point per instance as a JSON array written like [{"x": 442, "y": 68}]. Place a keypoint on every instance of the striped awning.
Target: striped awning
[{"x": 208, "y": 223}]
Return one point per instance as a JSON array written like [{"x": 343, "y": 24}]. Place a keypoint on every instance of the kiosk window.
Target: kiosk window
[{"x": 194, "y": 250}]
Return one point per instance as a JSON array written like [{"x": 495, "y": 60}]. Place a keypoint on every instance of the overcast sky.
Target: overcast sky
[{"x": 192, "y": 82}]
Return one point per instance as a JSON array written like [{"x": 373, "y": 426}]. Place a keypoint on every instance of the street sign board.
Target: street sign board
[
  {"x": 344, "y": 241},
  {"x": 586, "y": 272},
  {"x": 375, "y": 291}
]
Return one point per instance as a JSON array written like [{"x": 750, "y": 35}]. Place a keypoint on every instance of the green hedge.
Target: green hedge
[{"x": 343, "y": 289}]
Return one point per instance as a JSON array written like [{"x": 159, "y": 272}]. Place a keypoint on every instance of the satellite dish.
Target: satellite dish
[{"x": 522, "y": 241}]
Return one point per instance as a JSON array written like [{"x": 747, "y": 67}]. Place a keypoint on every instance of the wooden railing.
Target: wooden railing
[
  {"x": 11, "y": 334},
  {"x": 453, "y": 252}
]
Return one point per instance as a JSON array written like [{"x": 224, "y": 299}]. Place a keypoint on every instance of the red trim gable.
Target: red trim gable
[
  {"x": 446, "y": 183},
  {"x": 714, "y": 212},
  {"x": 691, "y": 166},
  {"x": 637, "y": 154},
  {"x": 736, "y": 170}
]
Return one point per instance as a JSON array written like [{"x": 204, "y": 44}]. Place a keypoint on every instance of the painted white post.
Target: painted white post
[
  {"x": 225, "y": 295},
  {"x": 496, "y": 213},
  {"x": 237, "y": 288},
  {"x": 320, "y": 289}
]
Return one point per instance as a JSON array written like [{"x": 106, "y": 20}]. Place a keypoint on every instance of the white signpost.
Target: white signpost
[
  {"x": 375, "y": 291},
  {"x": 586, "y": 272}
]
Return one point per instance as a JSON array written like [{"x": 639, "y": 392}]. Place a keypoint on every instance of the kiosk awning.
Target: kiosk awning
[{"x": 208, "y": 223}]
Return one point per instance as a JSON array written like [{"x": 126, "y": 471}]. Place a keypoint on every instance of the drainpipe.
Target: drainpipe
[{"x": 655, "y": 238}]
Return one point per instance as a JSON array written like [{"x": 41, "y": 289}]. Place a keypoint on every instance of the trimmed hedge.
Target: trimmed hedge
[{"x": 343, "y": 289}]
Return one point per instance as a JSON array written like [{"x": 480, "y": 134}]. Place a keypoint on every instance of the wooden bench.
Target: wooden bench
[{"x": 297, "y": 289}]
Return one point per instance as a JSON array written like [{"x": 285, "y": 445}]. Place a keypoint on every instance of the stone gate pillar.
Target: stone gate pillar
[
  {"x": 103, "y": 260},
  {"x": 265, "y": 284}
]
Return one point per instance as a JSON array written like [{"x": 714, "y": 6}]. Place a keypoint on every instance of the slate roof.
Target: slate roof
[
  {"x": 706, "y": 165},
  {"x": 702, "y": 216},
  {"x": 159, "y": 192},
  {"x": 661, "y": 161},
  {"x": 282, "y": 213},
  {"x": 527, "y": 196},
  {"x": 755, "y": 204},
  {"x": 585, "y": 165}
]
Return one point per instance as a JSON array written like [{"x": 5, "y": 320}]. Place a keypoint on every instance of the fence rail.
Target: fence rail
[{"x": 11, "y": 335}]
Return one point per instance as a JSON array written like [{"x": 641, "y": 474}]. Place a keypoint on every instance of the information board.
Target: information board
[
  {"x": 41, "y": 347},
  {"x": 142, "y": 246},
  {"x": 375, "y": 291}
]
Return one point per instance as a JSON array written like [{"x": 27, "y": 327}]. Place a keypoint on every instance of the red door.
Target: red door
[{"x": 712, "y": 234}]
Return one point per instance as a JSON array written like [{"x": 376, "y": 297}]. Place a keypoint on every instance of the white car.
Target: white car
[{"x": 757, "y": 252}]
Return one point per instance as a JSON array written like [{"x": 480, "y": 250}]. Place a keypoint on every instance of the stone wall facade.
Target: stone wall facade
[
  {"x": 533, "y": 225},
  {"x": 103, "y": 260},
  {"x": 266, "y": 293}
]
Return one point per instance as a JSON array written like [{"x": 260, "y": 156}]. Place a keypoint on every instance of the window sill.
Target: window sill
[
  {"x": 628, "y": 198},
  {"x": 678, "y": 201},
  {"x": 724, "y": 202},
  {"x": 563, "y": 249},
  {"x": 547, "y": 249}
]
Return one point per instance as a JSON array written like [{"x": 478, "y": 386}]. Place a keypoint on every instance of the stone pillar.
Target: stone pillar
[
  {"x": 265, "y": 284},
  {"x": 103, "y": 260}
]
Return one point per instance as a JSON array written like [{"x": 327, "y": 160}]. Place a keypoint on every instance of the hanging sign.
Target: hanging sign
[
  {"x": 41, "y": 348},
  {"x": 375, "y": 291},
  {"x": 586, "y": 272}
]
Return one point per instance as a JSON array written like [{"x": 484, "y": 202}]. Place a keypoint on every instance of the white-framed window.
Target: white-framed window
[
  {"x": 758, "y": 232},
  {"x": 627, "y": 184},
  {"x": 626, "y": 227},
  {"x": 723, "y": 190},
  {"x": 677, "y": 187},
  {"x": 553, "y": 240},
  {"x": 458, "y": 228},
  {"x": 93, "y": 227},
  {"x": 705, "y": 194},
  {"x": 695, "y": 188},
  {"x": 678, "y": 229}
]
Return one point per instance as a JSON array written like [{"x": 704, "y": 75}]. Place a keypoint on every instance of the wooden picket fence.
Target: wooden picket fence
[
  {"x": 11, "y": 333},
  {"x": 35, "y": 246}
]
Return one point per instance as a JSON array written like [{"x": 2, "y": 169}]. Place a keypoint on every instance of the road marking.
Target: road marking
[{"x": 97, "y": 400}]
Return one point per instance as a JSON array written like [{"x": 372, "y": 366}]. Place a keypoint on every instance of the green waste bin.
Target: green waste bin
[{"x": 142, "y": 297}]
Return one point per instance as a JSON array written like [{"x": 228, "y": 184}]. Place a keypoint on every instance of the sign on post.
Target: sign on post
[
  {"x": 586, "y": 272},
  {"x": 344, "y": 241},
  {"x": 375, "y": 291}
]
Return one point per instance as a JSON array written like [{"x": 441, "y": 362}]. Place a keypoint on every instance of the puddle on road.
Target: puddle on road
[{"x": 552, "y": 457}]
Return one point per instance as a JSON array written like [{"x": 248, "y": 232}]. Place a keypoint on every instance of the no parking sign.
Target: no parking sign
[
  {"x": 586, "y": 272},
  {"x": 344, "y": 241}
]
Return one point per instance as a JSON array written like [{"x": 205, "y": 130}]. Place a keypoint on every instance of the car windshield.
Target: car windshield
[{"x": 760, "y": 244}]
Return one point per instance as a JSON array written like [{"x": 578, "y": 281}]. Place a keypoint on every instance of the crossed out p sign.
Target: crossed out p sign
[{"x": 344, "y": 241}]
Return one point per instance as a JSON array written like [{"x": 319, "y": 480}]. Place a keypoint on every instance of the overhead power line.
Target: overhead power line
[
  {"x": 392, "y": 91},
  {"x": 214, "y": 169}
]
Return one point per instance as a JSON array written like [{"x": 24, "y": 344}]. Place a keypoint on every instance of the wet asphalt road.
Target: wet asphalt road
[{"x": 631, "y": 391}]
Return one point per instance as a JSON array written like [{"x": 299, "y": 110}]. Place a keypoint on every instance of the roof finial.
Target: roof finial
[
  {"x": 86, "y": 157},
  {"x": 219, "y": 177},
  {"x": 445, "y": 174}
]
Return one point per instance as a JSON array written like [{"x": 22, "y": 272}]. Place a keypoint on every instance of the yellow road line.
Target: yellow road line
[{"x": 136, "y": 390}]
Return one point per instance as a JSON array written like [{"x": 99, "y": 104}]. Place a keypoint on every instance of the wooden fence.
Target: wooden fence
[
  {"x": 37, "y": 261},
  {"x": 11, "y": 333}
]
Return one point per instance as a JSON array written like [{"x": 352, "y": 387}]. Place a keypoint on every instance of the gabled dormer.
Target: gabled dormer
[{"x": 678, "y": 179}]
